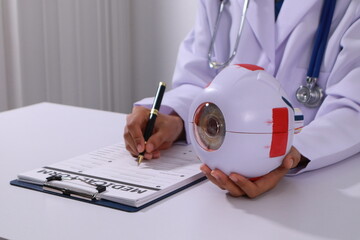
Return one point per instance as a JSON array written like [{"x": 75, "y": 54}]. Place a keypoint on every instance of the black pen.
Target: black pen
[{"x": 152, "y": 117}]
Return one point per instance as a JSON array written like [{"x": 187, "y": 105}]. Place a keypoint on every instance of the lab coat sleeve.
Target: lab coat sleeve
[
  {"x": 334, "y": 134},
  {"x": 192, "y": 72}
]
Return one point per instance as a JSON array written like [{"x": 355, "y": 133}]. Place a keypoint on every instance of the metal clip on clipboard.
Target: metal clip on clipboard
[{"x": 69, "y": 192}]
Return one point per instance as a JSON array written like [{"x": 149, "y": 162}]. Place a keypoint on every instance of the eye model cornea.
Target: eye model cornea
[{"x": 209, "y": 126}]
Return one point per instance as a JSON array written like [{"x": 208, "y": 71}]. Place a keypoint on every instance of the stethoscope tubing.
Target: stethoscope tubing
[
  {"x": 217, "y": 65},
  {"x": 321, "y": 39}
]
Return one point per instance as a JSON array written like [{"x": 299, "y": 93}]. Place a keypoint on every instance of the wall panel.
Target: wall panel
[{"x": 102, "y": 54}]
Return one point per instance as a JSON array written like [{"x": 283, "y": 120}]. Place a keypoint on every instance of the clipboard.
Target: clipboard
[
  {"x": 103, "y": 202},
  {"x": 110, "y": 177}
]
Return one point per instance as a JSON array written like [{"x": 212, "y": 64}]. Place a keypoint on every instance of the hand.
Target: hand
[
  {"x": 238, "y": 185},
  {"x": 167, "y": 129}
]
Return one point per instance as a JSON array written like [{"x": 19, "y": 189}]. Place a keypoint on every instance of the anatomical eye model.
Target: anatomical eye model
[{"x": 242, "y": 122}]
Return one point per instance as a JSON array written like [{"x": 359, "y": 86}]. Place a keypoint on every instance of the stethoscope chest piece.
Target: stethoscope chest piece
[{"x": 310, "y": 95}]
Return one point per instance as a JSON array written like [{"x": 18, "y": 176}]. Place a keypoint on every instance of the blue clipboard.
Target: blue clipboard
[{"x": 103, "y": 202}]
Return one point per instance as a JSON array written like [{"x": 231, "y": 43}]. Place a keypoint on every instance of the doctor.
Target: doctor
[{"x": 282, "y": 43}]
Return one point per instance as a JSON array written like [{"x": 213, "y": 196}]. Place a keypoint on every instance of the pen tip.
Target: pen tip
[{"x": 140, "y": 158}]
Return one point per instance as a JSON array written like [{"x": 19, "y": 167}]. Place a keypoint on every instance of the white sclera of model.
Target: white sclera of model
[{"x": 242, "y": 122}]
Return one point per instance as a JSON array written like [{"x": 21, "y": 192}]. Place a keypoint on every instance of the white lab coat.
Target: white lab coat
[{"x": 332, "y": 131}]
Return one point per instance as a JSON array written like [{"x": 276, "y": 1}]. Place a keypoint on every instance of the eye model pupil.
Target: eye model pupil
[{"x": 212, "y": 127}]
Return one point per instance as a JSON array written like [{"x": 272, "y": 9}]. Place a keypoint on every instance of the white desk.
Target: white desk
[{"x": 320, "y": 205}]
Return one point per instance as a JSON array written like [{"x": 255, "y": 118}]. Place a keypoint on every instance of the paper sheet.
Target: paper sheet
[{"x": 126, "y": 182}]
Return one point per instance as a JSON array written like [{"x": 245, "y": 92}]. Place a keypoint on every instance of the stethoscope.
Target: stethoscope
[{"x": 311, "y": 95}]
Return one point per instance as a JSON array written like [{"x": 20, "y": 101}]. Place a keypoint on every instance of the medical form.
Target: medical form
[{"x": 115, "y": 169}]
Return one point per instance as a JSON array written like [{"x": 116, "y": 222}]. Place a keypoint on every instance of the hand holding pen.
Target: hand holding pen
[
  {"x": 168, "y": 128},
  {"x": 152, "y": 117}
]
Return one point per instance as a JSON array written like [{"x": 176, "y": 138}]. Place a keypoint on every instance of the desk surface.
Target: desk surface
[{"x": 323, "y": 204}]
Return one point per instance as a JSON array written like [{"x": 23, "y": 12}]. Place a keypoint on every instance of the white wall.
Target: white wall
[
  {"x": 102, "y": 54},
  {"x": 158, "y": 28}
]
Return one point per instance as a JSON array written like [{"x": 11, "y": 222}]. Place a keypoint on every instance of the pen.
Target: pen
[{"x": 152, "y": 117}]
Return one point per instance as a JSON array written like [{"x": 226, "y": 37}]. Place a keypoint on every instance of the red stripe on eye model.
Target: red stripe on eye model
[
  {"x": 280, "y": 132},
  {"x": 250, "y": 67}
]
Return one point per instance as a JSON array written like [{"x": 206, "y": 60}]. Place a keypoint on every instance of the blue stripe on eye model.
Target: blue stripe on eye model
[
  {"x": 299, "y": 118},
  {"x": 288, "y": 103}
]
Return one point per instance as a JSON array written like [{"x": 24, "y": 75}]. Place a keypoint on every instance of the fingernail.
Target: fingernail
[
  {"x": 213, "y": 173},
  {"x": 139, "y": 148},
  {"x": 202, "y": 169},
  {"x": 233, "y": 178},
  {"x": 149, "y": 147},
  {"x": 291, "y": 162}
]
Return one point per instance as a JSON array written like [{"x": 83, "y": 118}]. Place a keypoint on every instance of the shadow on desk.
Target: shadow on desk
[{"x": 322, "y": 203}]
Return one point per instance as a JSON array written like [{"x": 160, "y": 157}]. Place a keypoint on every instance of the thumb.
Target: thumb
[{"x": 288, "y": 162}]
